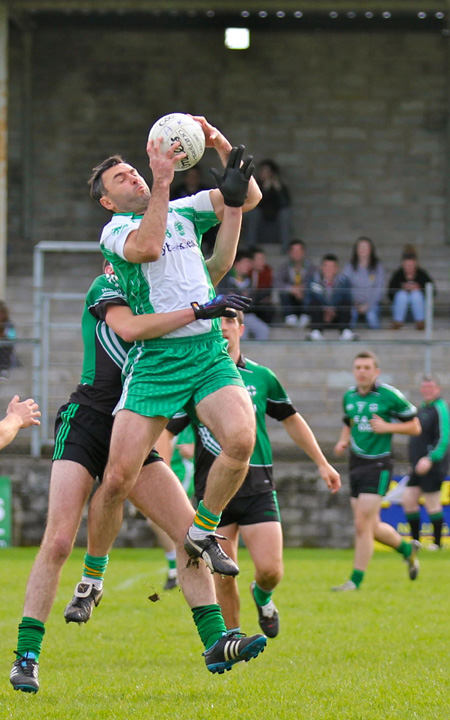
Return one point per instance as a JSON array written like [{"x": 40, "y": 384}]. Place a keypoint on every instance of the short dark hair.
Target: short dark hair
[
  {"x": 367, "y": 355},
  {"x": 255, "y": 249},
  {"x": 270, "y": 164},
  {"x": 241, "y": 255},
  {"x": 330, "y": 256},
  {"x": 297, "y": 241},
  {"x": 95, "y": 182}
]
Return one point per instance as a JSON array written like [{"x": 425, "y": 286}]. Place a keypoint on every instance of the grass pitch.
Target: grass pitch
[{"x": 380, "y": 653}]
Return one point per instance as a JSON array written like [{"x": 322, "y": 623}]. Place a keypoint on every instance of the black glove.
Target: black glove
[
  {"x": 233, "y": 184},
  {"x": 220, "y": 307}
]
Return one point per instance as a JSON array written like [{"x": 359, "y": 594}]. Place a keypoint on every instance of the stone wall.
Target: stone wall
[
  {"x": 357, "y": 122},
  {"x": 312, "y": 517}
]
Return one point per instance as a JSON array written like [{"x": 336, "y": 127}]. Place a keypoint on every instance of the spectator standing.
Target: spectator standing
[
  {"x": 406, "y": 291},
  {"x": 328, "y": 300},
  {"x": 291, "y": 281},
  {"x": 270, "y": 221},
  {"x": 262, "y": 285},
  {"x": 429, "y": 457},
  {"x": 7, "y": 332},
  {"x": 367, "y": 278}
]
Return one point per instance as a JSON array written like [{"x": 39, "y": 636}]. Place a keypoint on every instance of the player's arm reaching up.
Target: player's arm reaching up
[
  {"x": 215, "y": 139},
  {"x": 233, "y": 185}
]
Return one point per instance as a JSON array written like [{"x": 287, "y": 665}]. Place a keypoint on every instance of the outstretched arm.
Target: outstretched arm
[
  {"x": 215, "y": 139},
  {"x": 18, "y": 415},
  {"x": 300, "y": 432},
  {"x": 153, "y": 325},
  {"x": 225, "y": 247}
]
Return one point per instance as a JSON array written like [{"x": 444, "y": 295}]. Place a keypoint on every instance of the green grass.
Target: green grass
[{"x": 379, "y": 653}]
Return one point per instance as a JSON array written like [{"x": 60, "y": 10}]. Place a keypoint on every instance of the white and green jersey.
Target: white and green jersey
[
  {"x": 179, "y": 276},
  {"x": 383, "y": 400},
  {"x": 268, "y": 398}
]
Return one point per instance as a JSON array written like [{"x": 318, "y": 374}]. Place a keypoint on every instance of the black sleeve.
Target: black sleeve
[
  {"x": 99, "y": 310},
  {"x": 279, "y": 410}
]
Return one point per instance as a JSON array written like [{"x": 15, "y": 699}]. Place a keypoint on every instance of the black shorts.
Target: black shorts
[
  {"x": 429, "y": 483},
  {"x": 82, "y": 435},
  {"x": 370, "y": 476},
  {"x": 251, "y": 510}
]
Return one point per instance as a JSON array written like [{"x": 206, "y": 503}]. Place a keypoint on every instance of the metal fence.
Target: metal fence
[{"x": 52, "y": 360}]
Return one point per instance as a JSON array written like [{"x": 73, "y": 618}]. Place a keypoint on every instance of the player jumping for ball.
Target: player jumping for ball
[{"x": 154, "y": 247}]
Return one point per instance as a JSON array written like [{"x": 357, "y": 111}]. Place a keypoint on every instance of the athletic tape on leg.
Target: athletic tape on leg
[{"x": 232, "y": 463}]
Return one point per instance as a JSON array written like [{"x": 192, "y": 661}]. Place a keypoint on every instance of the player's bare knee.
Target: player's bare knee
[
  {"x": 270, "y": 576},
  {"x": 116, "y": 486},
  {"x": 57, "y": 547},
  {"x": 239, "y": 444}
]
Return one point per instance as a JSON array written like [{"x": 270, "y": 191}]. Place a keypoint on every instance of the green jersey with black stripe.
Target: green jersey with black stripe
[
  {"x": 179, "y": 276},
  {"x": 269, "y": 398},
  {"x": 105, "y": 352},
  {"x": 383, "y": 400}
]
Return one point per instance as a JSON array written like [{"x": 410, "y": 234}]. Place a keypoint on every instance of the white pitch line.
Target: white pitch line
[{"x": 130, "y": 581}]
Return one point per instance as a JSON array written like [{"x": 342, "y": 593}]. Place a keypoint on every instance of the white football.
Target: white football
[{"x": 178, "y": 127}]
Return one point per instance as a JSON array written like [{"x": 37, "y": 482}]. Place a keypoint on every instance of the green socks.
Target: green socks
[
  {"x": 94, "y": 568},
  {"x": 262, "y": 597},
  {"x": 405, "y": 549},
  {"x": 210, "y": 624},
  {"x": 31, "y": 633},
  {"x": 357, "y": 577}
]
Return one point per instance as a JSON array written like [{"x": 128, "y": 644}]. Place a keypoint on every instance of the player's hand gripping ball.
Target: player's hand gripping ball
[{"x": 178, "y": 127}]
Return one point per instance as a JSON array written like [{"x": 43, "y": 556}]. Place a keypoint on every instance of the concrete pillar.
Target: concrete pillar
[{"x": 3, "y": 142}]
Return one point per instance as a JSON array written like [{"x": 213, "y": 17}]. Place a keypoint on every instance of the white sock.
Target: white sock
[{"x": 98, "y": 584}]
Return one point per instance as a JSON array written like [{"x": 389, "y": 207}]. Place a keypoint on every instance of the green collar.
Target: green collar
[{"x": 131, "y": 215}]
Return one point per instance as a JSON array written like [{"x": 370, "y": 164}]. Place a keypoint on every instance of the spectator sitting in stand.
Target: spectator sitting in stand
[
  {"x": 328, "y": 299},
  {"x": 291, "y": 281},
  {"x": 366, "y": 275},
  {"x": 192, "y": 183},
  {"x": 239, "y": 281},
  {"x": 261, "y": 285},
  {"x": 7, "y": 332},
  {"x": 270, "y": 221},
  {"x": 406, "y": 290}
]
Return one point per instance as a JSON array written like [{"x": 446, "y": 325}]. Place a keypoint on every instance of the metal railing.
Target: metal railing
[{"x": 58, "y": 351}]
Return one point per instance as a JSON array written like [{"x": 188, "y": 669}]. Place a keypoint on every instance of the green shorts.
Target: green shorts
[{"x": 164, "y": 375}]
